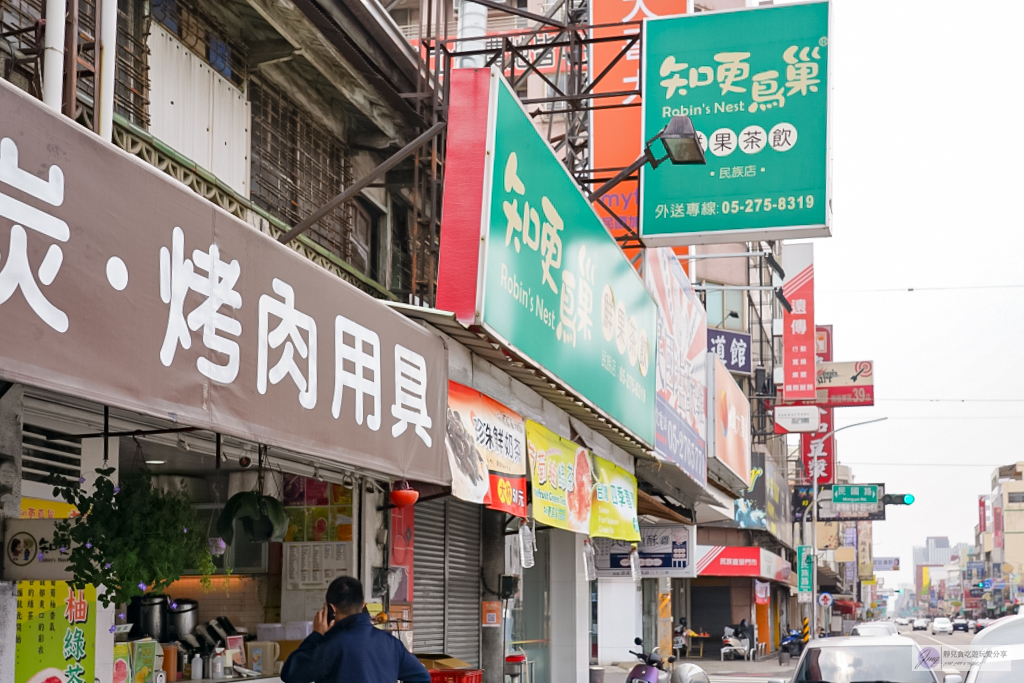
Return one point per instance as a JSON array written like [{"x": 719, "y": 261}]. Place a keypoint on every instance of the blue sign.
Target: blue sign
[
  {"x": 988, "y": 584},
  {"x": 732, "y": 348}
]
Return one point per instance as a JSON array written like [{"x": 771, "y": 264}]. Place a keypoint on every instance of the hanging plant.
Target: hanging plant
[
  {"x": 262, "y": 516},
  {"x": 131, "y": 538}
]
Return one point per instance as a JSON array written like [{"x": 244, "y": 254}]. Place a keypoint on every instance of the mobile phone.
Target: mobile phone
[{"x": 330, "y": 613}]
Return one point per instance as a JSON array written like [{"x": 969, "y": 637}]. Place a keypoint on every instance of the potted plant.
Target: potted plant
[
  {"x": 262, "y": 516},
  {"x": 130, "y": 538}
]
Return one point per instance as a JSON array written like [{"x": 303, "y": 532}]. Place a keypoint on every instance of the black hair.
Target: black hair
[{"x": 345, "y": 594}]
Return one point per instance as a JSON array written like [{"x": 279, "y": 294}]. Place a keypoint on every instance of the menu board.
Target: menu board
[
  {"x": 314, "y": 565},
  {"x": 317, "y": 511}
]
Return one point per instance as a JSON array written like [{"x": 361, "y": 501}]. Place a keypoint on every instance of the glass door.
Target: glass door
[{"x": 531, "y": 617}]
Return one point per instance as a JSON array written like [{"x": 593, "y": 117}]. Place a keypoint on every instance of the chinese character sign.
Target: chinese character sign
[
  {"x": 798, "y": 333},
  {"x": 663, "y": 549},
  {"x": 732, "y": 348},
  {"x": 755, "y": 84},
  {"x": 613, "y": 512},
  {"x": 554, "y": 287},
  {"x": 230, "y": 330},
  {"x": 982, "y": 509},
  {"x": 561, "y": 475},
  {"x": 681, "y": 409},
  {"x": 55, "y": 634},
  {"x": 486, "y": 451},
  {"x": 818, "y": 451}
]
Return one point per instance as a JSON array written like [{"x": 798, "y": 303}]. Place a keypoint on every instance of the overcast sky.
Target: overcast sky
[{"x": 928, "y": 151}]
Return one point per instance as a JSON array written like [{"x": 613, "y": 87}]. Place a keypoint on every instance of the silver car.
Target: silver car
[
  {"x": 875, "y": 629},
  {"x": 852, "y": 660}
]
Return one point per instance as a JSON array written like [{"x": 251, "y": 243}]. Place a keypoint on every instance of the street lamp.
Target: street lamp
[
  {"x": 814, "y": 512},
  {"x": 682, "y": 148}
]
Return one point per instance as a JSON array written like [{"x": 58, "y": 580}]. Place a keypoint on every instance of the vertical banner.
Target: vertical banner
[
  {"x": 56, "y": 637},
  {"x": 798, "y": 334},
  {"x": 865, "y": 550},
  {"x": 823, "y": 343},
  {"x": 805, "y": 560},
  {"x": 997, "y": 526},
  {"x": 981, "y": 515},
  {"x": 729, "y": 441},
  {"x": 613, "y": 508},
  {"x": 561, "y": 479},
  {"x": 761, "y": 592},
  {"x": 486, "y": 444},
  {"x": 615, "y": 132},
  {"x": 681, "y": 377},
  {"x": 850, "y": 541},
  {"x": 818, "y": 451}
]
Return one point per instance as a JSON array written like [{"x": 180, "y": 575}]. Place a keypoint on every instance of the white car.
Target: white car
[
  {"x": 942, "y": 625},
  {"x": 902, "y": 621}
]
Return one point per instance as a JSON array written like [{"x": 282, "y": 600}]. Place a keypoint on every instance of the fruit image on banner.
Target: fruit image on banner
[
  {"x": 486, "y": 445},
  {"x": 562, "y": 480},
  {"x": 613, "y": 511},
  {"x": 56, "y": 637}
]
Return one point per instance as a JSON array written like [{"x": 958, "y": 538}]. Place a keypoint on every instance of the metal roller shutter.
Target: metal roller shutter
[
  {"x": 446, "y": 579},
  {"x": 710, "y": 611}
]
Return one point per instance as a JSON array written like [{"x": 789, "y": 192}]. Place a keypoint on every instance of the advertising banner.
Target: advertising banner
[
  {"x": 615, "y": 132},
  {"x": 682, "y": 393},
  {"x": 741, "y": 561},
  {"x": 795, "y": 419},
  {"x": 865, "y": 550},
  {"x": 997, "y": 526},
  {"x": 665, "y": 550},
  {"x": 765, "y": 503},
  {"x": 56, "y": 633},
  {"x": 982, "y": 509},
  {"x": 613, "y": 508},
  {"x": 887, "y": 564},
  {"x": 525, "y": 258},
  {"x": 818, "y": 451},
  {"x": 729, "y": 441},
  {"x": 798, "y": 333},
  {"x": 230, "y": 330},
  {"x": 560, "y": 478},
  {"x": 976, "y": 570},
  {"x": 749, "y": 507},
  {"x": 732, "y": 348},
  {"x": 762, "y": 591},
  {"x": 755, "y": 83},
  {"x": 486, "y": 444},
  {"x": 850, "y": 541},
  {"x": 846, "y": 384}
]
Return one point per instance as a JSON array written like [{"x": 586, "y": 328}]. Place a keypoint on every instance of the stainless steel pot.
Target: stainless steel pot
[
  {"x": 184, "y": 616},
  {"x": 153, "y": 614}
]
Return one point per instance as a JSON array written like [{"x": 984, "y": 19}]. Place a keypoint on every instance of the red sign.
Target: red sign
[
  {"x": 997, "y": 527},
  {"x": 798, "y": 333},
  {"x": 982, "y": 527},
  {"x": 823, "y": 343},
  {"x": 729, "y": 561},
  {"x": 818, "y": 451}
]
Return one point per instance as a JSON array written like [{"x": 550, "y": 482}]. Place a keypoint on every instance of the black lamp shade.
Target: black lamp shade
[{"x": 681, "y": 142}]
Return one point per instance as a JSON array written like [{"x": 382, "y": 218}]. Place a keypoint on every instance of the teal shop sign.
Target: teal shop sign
[
  {"x": 755, "y": 83},
  {"x": 524, "y": 256}
]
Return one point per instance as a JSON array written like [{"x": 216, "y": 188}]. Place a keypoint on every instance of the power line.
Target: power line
[
  {"x": 921, "y": 464},
  {"x": 955, "y": 400},
  {"x": 921, "y": 289}
]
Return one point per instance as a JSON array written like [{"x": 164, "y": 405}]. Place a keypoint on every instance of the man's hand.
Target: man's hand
[{"x": 320, "y": 623}]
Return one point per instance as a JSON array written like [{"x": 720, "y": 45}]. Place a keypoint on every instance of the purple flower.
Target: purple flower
[
  {"x": 142, "y": 586},
  {"x": 117, "y": 489},
  {"x": 88, "y": 545},
  {"x": 120, "y": 615},
  {"x": 106, "y": 566},
  {"x": 112, "y": 629},
  {"x": 174, "y": 605},
  {"x": 63, "y": 550},
  {"x": 185, "y": 529},
  {"x": 40, "y": 557},
  {"x": 81, "y": 480}
]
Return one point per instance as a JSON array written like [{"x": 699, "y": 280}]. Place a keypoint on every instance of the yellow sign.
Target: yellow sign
[
  {"x": 613, "y": 512},
  {"x": 561, "y": 480},
  {"x": 37, "y": 508},
  {"x": 870, "y": 581}
]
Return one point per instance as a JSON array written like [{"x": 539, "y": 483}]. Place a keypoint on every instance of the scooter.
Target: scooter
[
  {"x": 793, "y": 643},
  {"x": 651, "y": 669},
  {"x": 735, "y": 645}
]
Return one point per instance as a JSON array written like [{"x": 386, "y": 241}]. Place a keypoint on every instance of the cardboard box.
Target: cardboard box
[{"x": 441, "y": 661}]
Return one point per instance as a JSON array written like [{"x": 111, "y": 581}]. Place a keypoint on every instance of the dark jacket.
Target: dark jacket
[{"x": 353, "y": 650}]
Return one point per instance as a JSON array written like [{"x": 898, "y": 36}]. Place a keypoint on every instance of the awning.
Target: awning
[
  {"x": 846, "y": 606},
  {"x": 649, "y": 505}
]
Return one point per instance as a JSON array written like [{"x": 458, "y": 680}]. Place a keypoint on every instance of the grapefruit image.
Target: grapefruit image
[
  {"x": 579, "y": 500},
  {"x": 120, "y": 671},
  {"x": 51, "y": 675}
]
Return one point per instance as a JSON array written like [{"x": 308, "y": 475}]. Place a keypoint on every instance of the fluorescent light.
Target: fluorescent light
[{"x": 155, "y": 462}]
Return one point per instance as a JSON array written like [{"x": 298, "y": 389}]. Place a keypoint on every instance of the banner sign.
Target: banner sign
[
  {"x": 56, "y": 633},
  {"x": 613, "y": 508},
  {"x": 755, "y": 83},
  {"x": 887, "y": 564},
  {"x": 762, "y": 592},
  {"x": 230, "y": 330},
  {"x": 525, "y": 258},
  {"x": 976, "y": 569},
  {"x": 818, "y": 451},
  {"x": 798, "y": 334},
  {"x": 982, "y": 510},
  {"x": 846, "y": 384},
  {"x": 665, "y": 550},
  {"x": 732, "y": 348},
  {"x": 795, "y": 419},
  {"x": 681, "y": 410},
  {"x": 997, "y": 526},
  {"x": 850, "y": 541},
  {"x": 830, "y": 511},
  {"x": 729, "y": 441},
  {"x": 561, "y": 478},
  {"x": 823, "y": 343},
  {"x": 614, "y": 131},
  {"x": 486, "y": 444},
  {"x": 865, "y": 550},
  {"x": 804, "y": 563},
  {"x": 741, "y": 561}
]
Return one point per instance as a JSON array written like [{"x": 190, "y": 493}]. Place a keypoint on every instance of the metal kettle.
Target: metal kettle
[{"x": 184, "y": 616}]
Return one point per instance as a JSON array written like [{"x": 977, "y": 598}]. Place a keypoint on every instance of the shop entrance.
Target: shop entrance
[{"x": 531, "y": 616}]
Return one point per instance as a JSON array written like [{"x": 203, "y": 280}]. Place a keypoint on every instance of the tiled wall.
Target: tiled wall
[{"x": 242, "y": 599}]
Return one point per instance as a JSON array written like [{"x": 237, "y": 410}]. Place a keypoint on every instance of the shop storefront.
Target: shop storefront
[{"x": 248, "y": 371}]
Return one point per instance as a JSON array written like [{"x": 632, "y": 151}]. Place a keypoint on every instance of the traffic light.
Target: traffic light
[{"x": 898, "y": 499}]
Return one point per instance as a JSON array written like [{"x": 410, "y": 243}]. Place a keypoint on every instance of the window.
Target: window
[
  {"x": 363, "y": 240},
  {"x": 725, "y": 308},
  {"x": 204, "y": 35},
  {"x": 401, "y": 250},
  {"x": 1015, "y": 497}
]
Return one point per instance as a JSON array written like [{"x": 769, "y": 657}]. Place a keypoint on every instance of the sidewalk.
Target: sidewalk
[{"x": 768, "y": 666}]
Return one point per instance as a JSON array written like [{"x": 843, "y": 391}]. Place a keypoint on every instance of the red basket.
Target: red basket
[{"x": 457, "y": 676}]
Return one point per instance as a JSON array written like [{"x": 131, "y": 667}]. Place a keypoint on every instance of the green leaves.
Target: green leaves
[
  {"x": 262, "y": 517},
  {"x": 131, "y": 538}
]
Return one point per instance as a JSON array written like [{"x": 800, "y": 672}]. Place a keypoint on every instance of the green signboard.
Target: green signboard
[
  {"x": 755, "y": 84},
  {"x": 524, "y": 256},
  {"x": 854, "y": 493},
  {"x": 804, "y": 555}
]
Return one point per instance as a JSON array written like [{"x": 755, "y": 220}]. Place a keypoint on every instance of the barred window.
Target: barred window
[
  {"x": 297, "y": 166},
  {"x": 205, "y": 35}
]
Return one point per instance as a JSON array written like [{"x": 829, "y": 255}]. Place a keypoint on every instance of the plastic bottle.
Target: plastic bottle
[
  {"x": 217, "y": 664},
  {"x": 197, "y": 668}
]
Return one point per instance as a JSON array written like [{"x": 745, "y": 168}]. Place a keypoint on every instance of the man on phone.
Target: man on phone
[{"x": 346, "y": 647}]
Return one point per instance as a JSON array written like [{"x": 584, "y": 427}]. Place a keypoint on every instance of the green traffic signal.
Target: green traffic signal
[
  {"x": 908, "y": 499},
  {"x": 898, "y": 499}
]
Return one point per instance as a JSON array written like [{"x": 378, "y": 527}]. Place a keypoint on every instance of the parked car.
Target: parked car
[
  {"x": 942, "y": 625},
  {"x": 889, "y": 658},
  {"x": 920, "y": 624},
  {"x": 972, "y": 625},
  {"x": 871, "y": 630},
  {"x": 960, "y": 625},
  {"x": 982, "y": 623},
  {"x": 1006, "y": 631}
]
